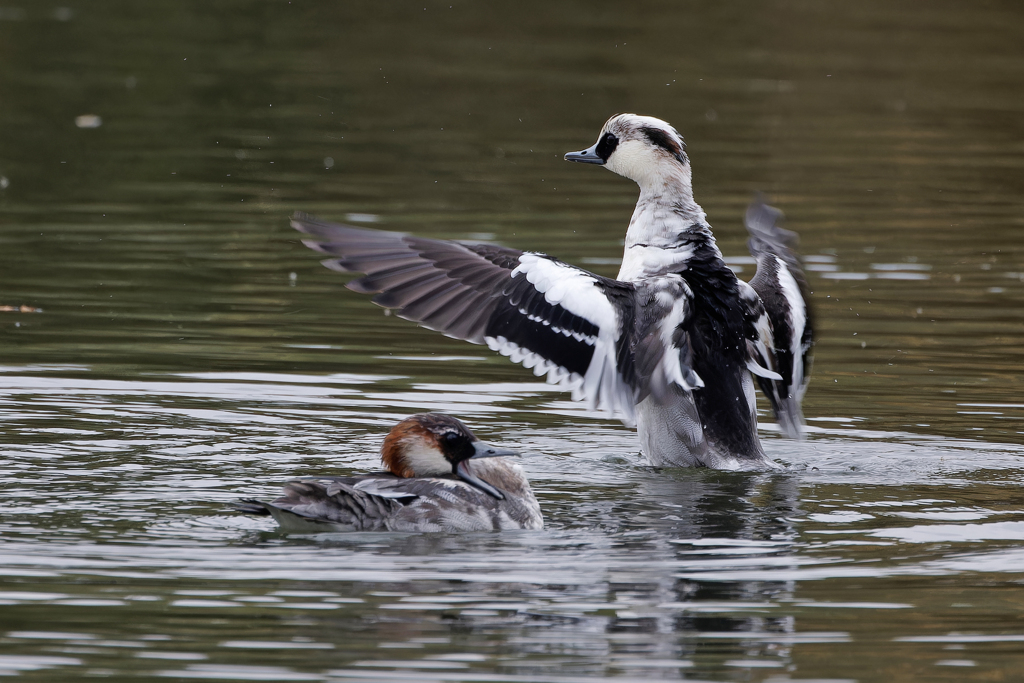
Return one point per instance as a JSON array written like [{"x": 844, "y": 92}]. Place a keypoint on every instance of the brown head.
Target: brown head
[{"x": 433, "y": 445}]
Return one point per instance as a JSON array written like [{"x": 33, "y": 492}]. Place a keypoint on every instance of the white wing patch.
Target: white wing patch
[
  {"x": 578, "y": 293},
  {"x": 798, "y": 319},
  {"x": 578, "y": 336},
  {"x": 570, "y": 288}
]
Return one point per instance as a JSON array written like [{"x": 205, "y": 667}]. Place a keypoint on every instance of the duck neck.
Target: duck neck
[{"x": 666, "y": 225}]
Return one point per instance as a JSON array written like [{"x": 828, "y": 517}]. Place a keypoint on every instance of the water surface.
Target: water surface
[{"x": 178, "y": 348}]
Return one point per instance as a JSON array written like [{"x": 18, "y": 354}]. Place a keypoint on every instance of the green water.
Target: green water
[{"x": 188, "y": 350}]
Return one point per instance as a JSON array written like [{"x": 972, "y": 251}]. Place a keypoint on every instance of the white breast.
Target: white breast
[{"x": 641, "y": 261}]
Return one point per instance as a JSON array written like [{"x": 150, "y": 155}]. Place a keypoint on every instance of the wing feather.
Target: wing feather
[
  {"x": 783, "y": 291},
  {"x": 558, "y": 320}
]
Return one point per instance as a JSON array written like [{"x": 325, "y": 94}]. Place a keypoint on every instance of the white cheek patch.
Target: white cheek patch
[
  {"x": 424, "y": 458},
  {"x": 648, "y": 166},
  {"x": 632, "y": 159}
]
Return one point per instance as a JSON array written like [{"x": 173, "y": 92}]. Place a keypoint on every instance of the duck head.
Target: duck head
[
  {"x": 432, "y": 445},
  {"x": 644, "y": 149}
]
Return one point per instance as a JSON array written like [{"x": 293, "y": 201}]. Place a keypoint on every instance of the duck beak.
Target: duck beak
[
  {"x": 586, "y": 156},
  {"x": 482, "y": 450}
]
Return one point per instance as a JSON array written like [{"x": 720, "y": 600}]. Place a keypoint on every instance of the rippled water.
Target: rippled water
[{"x": 168, "y": 346}]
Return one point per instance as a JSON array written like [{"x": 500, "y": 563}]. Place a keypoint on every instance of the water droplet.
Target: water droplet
[{"x": 88, "y": 121}]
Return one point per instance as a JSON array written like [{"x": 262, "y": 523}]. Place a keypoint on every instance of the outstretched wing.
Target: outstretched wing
[
  {"x": 782, "y": 287},
  {"x": 565, "y": 323}
]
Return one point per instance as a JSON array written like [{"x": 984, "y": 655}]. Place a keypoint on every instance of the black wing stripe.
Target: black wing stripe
[
  {"x": 535, "y": 337},
  {"x": 530, "y": 332}
]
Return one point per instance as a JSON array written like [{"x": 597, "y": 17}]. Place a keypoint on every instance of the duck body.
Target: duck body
[
  {"x": 716, "y": 424},
  {"x": 426, "y": 488},
  {"x": 672, "y": 344}
]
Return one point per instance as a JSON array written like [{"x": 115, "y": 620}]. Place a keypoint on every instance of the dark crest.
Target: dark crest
[{"x": 662, "y": 139}]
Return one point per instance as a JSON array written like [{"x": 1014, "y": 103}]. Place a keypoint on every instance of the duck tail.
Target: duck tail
[{"x": 250, "y": 506}]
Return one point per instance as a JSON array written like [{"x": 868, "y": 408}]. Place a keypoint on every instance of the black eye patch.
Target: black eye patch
[
  {"x": 456, "y": 446},
  {"x": 606, "y": 146},
  {"x": 660, "y": 138}
]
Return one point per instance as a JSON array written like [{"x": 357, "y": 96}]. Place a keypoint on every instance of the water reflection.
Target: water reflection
[{"x": 641, "y": 573}]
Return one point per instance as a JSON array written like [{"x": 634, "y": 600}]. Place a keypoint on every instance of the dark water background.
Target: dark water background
[{"x": 189, "y": 350}]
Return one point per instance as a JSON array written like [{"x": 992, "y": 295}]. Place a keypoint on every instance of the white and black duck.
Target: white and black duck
[
  {"x": 669, "y": 345},
  {"x": 439, "y": 477}
]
